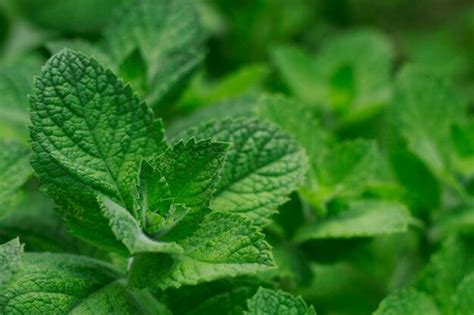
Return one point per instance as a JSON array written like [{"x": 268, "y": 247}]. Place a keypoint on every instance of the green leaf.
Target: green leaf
[
  {"x": 462, "y": 137},
  {"x": 35, "y": 222},
  {"x": 446, "y": 269},
  {"x": 263, "y": 166},
  {"x": 127, "y": 230},
  {"x": 192, "y": 171},
  {"x": 299, "y": 120},
  {"x": 420, "y": 185},
  {"x": 274, "y": 302},
  {"x": 10, "y": 259},
  {"x": 298, "y": 70},
  {"x": 216, "y": 245},
  {"x": 424, "y": 110},
  {"x": 407, "y": 302},
  {"x": 89, "y": 135},
  {"x": 52, "y": 283},
  {"x": 464, "y": 297},
  {"x": 227, "y": 296},
  {"x": 342, "y": 171},
  {"x": 166, "y": 36},
  {"x": 115, "y": 298},
  {"x": 354, "y": 84},
  {"x": 16, "y": 78},
  {"x": 364, "y": 218},
  {"x": 154, "y": 198},
  {"x": 15, "y": 170}
]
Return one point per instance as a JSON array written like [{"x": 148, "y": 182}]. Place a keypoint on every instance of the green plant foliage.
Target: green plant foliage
[{"x": 217, "y": 157}]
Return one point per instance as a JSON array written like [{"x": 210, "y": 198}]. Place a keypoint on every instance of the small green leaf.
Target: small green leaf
[
  {"x": 362, "y": 219},
  {"x": 263, "y": 166},
  {"x": 16, "y": 78},
  {"x": 407, "y": 302},
  {"x": 192, "y": 170},
  {"x": 127, "y": 230},
  {"x": 10, "y": 259},
  {"x": 424, "y": 110},
  {"x": 216, "y": 245},
  {"x": 15, "y": 170},
  {"x": 354, "y": 84},
  {"x": 344, "y": 171},
  {"x": 275, "y": 302},
  {"x": 166, "y": 35},
  {"x": 446, "y": 269}
]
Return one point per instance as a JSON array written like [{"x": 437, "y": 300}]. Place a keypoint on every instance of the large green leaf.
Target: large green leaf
[{"x": 89, "y": 135}]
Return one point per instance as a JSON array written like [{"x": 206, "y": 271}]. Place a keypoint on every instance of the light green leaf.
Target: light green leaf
[
  {"x": 162, "y": 37},
  {"x": 364, "y": 218},
  {"x": 275, "y": 302},
  {"x": 299, "y": 120},
  {"x": 16, "y": 79},
  {"x": 464, "y": 297},
  {"x": 344, "y": 171},
  {"x": 89, "y": 135},
  {"x": 10, "y": 259},
  {"x": 355, "y": 84},
  {"x": 15, "y": 170},
  {"x": 216, "y": 245},
  {"x": 53, "y": 284},
  {"x": 192, "y": 171},
  {"x": 128, "y": 231},
  {"x": 407, "y": 302},
  {"x": 424, "y": 110},
  {"x": 264, "y": 165}
]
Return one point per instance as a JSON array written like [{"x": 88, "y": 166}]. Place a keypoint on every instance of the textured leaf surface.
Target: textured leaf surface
[
  {"x": 227, "y": 296},
  {"x": 116, "y": 299},
  {"x": 10, "y": 259},
  {"x": 192, "y": 171},
  {"x": 88, "y": 128},
  {"x": 274, "y": 302},
  {"x": 264, "y": 165},
  {"x": 53, "y": 284},
  {"x": 299, "y": 120},
  {"x": 15, "y": 170},
  {"x": 407, "y": 302},
  {"x": 166, "y": 34},
  {"x": 424, "y": 110},
  {"x": 216, "y": 245},
  {"x": 127, "y": 230},
  {"x": 89, "y": 134},
  {"x": 361, "y": 219}
]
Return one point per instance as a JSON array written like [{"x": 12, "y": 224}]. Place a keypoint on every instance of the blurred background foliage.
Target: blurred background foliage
[{"x": 343, "y": 58}]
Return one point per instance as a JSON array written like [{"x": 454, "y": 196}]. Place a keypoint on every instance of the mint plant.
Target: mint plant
[{"x": 214, "y": 157}]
